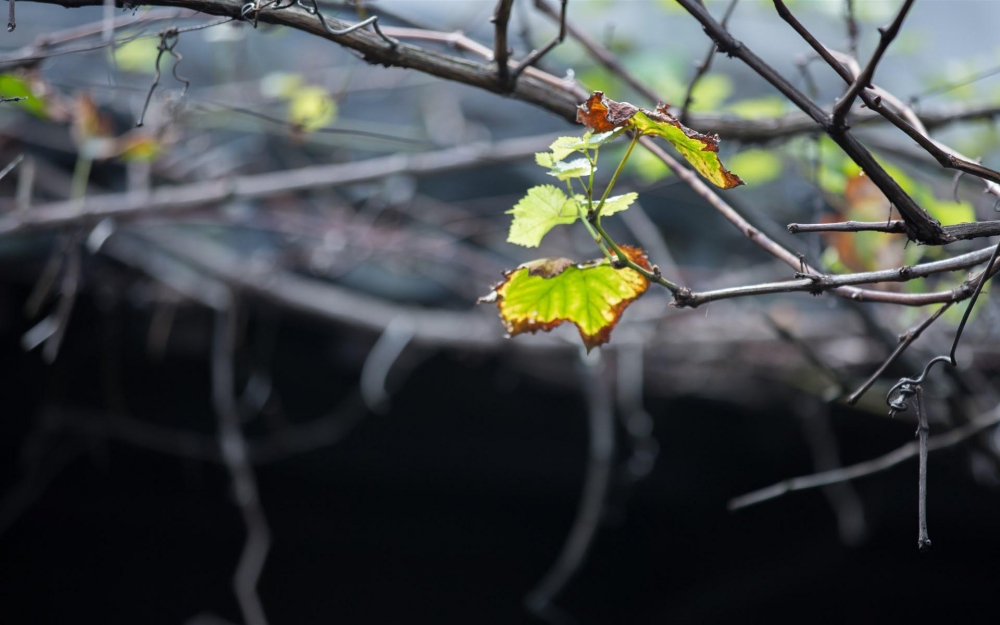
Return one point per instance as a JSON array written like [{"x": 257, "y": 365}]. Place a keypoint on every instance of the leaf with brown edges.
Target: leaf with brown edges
[
  {"x": 545, "y": 293},
  {"x": 602, "y": 114}
]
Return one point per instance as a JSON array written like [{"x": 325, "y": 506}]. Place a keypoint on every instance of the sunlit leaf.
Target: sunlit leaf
[
  {"x": 543, "y": 208},
  {"x": 545, "y": 159},
  {"x": 618, "y": 203},
  {"x": 545, "y": 293},
  {"x": 13, "y": 86},
  {"x": 311, "y": 108},
  {"x": 138, "y": 56},
  {"x": 564, "y": 170},
  {"x": 563, "y": 147},
  {"x": 757, "y": 166},
  {"x": 602, "y": 114}
]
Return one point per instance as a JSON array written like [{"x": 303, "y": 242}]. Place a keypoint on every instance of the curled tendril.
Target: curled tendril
[
  {"x": 312, "y": 8},
  {"x": 907, "y": 387},
  {"x": 168, "y": 41}
]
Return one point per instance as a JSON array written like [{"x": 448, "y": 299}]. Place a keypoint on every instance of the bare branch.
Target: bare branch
[
  {"x": 501, "y": 51},
  {"x": 894, "y": 226},
  {"x": 863, "y": 81},
  {"x": 816, "y": 283},
  {"x": 536, "y": 55}
]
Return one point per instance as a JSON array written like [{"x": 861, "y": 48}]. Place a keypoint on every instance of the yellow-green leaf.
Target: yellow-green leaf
[
  {"x": 601, "y": 114},
  {"x": 618, "y": 203},
  {"x": 311, "y": 108},
  {"x": 544, "y": 159},
  {"x": 702, "y": 151},
  {"x": 576, "y": 168},
  {"x": 564, "y": 146},
  {"x": 543, "y": 208},
  {"x": 546, "y": 293}
]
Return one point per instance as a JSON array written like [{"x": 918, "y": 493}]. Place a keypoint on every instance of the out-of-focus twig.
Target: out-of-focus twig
[
  {"x": 600, "y": 417},
  {"x": 236, "y": 458},
  {"x": 854, "y": 471}
]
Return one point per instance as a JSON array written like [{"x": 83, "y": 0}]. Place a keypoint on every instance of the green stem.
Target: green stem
[
  {"x": 607, "y": 190},
  {"x": 81, "y": 174},
  {"x": 590, "y": 185},
  {"x": 583, "y": 217},
  {"x": 624, "y": 259}
]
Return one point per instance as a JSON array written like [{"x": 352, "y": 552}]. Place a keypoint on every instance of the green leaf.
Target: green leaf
[
  {"x": 564, "y": 146},
  {"x": 545, "y": 159},
  {"x": 546, "y": 293},
  {"x": 702, "y": 151},
  {"x": 602, "y": 114},
  {"x": 618, "y": 203},
  {"x": 543, "y": 208},
  {"x": 311, "y": 108},
  {"x": 757, "y": 167},
  {"x": 12, "y": 86},
  {"x": 572, "y": 169}
]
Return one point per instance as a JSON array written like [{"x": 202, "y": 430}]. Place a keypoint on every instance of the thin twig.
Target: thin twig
[
  {"x": 703, "y": 67},
  {"x": 863, "y": 81},
  {"x": 67, "y": 299},
  {"x": 168, "y": 41},
  {"x": 536, "y": 55},
  {"x": 923, "y": 541},
  {"x": 852, "y": 29},
  {"x": 869, "y": 467},
  {"x": 817, "y": 283},
  {"x": 894, "y": 226},
  {"x": 375, "y": 371},
  {"x": 597, "y": 482},
  {"x": 905, "y": 340},
  {"x": 236, "y": 458},
  {"x": 599, "y": 52},
  {"x": 10, "y": 167}
]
